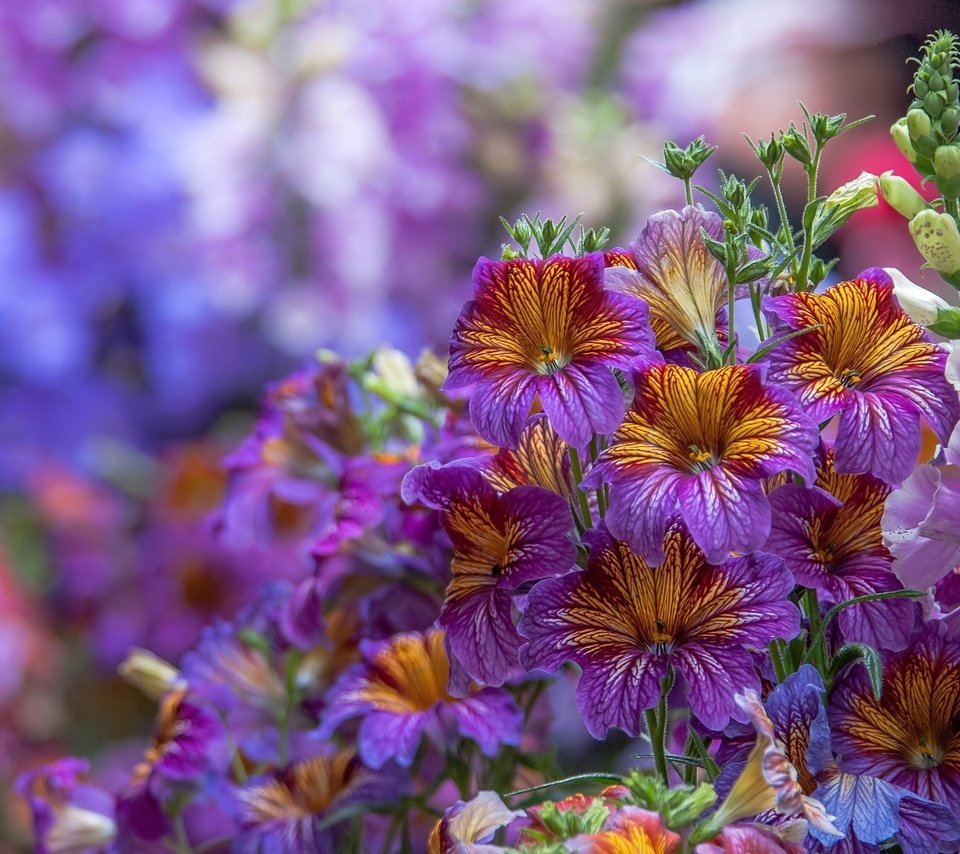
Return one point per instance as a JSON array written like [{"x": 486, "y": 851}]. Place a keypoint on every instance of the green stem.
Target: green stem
[
  {"x": 577, "y": 472},
  {"x": 775, "y": 656},
  {"x": 811, "y": 606},
  {"x": 952, "y": 207},
  {"x": 781, "y": 207},
  {"x": 731, "y": 302},
  {"x": 812, "y": 172},
  {"x": 658, "y": 726},
  {"x": 688, "y": 190}
]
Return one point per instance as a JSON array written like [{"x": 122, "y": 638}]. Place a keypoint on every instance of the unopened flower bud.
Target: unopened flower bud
[
  {"x": 922, "y": 305},
  {"x": 950, "y": 122},
  {"x": 938, "y": 240},
  {"x": 901, "y": 196},
  {"x": 151, "y": 674},
  {"x": 78, "y": 829},
  {"x": 919, "y": 124},
  {"x": 946, "y": 161},
  {"x": 901, "y": 138}
]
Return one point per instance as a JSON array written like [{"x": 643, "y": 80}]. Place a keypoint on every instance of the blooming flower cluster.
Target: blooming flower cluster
[{"x": 607, "y": 484}]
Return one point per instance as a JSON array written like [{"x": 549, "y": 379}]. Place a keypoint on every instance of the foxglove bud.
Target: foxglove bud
[
  {"x": 938, "y": 240},
  {"x": 901, "y": 138},
  {"x": 950, "y": 122},
  {"x": 946, "y": 162},
  {"x": 919, "y": 124},
  {"x": 902, "y": 197},
  {"x": 922, "y": 305}
]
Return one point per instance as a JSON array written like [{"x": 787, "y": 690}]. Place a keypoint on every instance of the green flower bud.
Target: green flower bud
[
  {"x": 936, "y": 81},
  {"x": 946, "y": 161},
  {"x": 920, "y": 88},
  {"x": 919, "y": 124},
  {"x": 901, "y": 196},
  {"x": 796, "y": 145},
  {"x": 950, "y": 122},
  {"x": 937, "y": 238},
  {"x": 901, "y": 138},
  {"x": 933, "y": 103}
]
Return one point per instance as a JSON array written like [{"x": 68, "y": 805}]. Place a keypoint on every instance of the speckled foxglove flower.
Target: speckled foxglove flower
[
  {"x": 868, "y": 360},
  {"x": 546, "y": 330},
  {"x": 500, "y": 542},
  {"x": 702, "y": 443},
  {"x": 624, "y": 623}
]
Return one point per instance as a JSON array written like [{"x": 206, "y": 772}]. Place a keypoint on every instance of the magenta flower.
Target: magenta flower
[
  {"x": 401, "y": 692},
  {"x": 546, "y": 330},
  {"x": 702, "y": 444},
  {"x": 869, "y": 361},
  {"x": 829, "y": 536},
  {"x": 624, "y": 623},
  {"x": 500, "y": 542}
]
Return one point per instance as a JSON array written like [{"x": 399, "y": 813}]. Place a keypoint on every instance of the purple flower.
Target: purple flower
[
  {"x": 921, "y": 525},
  {"x": 546, "y": 330},
  {"x": 401, "y": 692},
  {"x": 626, "y": 623},
  {"x": 829, "y": 536},
  {"x": 500, "y": 542},
  {"x": 288, "y": 811},
  {"x": 670, "y": 268},
  {"x": 910, "y": 736},
  {"x": 68, "y": 814},
  {"x": 702, "y": 444},
  {"x": 864, "y": 358}
]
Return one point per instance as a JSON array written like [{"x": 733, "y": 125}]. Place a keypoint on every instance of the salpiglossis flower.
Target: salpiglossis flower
[
  {"x": 288, "y": 811},
  {"x": 911, "y": 735},
  {"x": 625, "y": 623},
  {"x": 546, "y": 330},
  {"x": 670, "y": 268},
  {"x": 829, "y": 535},
  {"x": 702, "y": 443},
  {"x": 864, "y": 357},
  {"x": 500, "y": 542},
  {"x": 401, "y": 691},
  {"x": 541, "y": 458}
]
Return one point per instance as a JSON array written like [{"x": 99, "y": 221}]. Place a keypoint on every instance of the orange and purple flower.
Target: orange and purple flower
[
  {"x": 294, "y": 809},
  {"x": 868, "y": 810},
  {"x": 546, "y": 330},
  {"x": 401, "y": 692},
  {"x": 670, "y": 268},
  {"x": 910, "y": 737},
  {"x": 703, "y": 443},
  {"x": 829, "y": 536},
  {"x": 865, "y": 358},
  {"x": 625, "y": 623},
  {"x": 500, "y": 542}
]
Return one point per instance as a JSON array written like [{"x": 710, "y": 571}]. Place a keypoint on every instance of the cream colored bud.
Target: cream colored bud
[
  {"x": 922, "y": 305},
  {"x": 396, "y": 371},
  {"x": 151, "y": 674},
  {"x": 938, "y": 240},
  {"x": 901, "y": 138},
  {"x": 75, "y": 829},
  {"x": 901, "y": 196}
]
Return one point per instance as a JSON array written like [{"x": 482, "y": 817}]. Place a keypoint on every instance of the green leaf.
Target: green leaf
[{"x": 867, "y": 656}]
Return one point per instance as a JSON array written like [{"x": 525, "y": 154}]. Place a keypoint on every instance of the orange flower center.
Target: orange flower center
[
  {"x": 927, "y": 753},
  {"x": 550, "y": 359}
]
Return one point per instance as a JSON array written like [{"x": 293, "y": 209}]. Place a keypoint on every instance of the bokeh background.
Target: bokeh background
[{"x": 195, "y": 195}]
